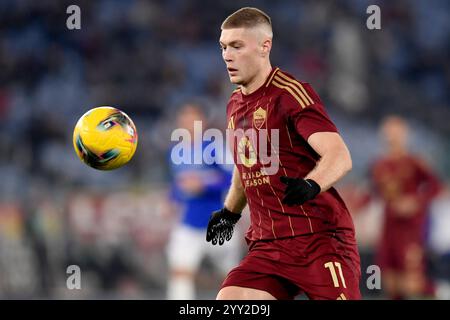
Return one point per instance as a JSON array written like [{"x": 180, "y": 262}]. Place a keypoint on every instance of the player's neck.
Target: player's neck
[{"x": 258, "y": 81}]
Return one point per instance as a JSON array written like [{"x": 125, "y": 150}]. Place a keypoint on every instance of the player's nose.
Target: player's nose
[{"x": 226, "y": 56}]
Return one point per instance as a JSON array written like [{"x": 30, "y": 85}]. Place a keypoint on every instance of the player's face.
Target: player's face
[
  {"x": 188, "y": 115},
  {"x": 395, "y": 133},
  {"x": 241, "y": 53}
]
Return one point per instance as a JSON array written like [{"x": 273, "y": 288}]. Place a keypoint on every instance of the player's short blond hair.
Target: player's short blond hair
[{"x": 247, "y": 17}]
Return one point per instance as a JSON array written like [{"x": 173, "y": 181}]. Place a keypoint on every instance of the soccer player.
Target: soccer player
[
  {"x": 407, "y": 186},
  {"x": 197, "y": 189},
  {"x": 301, "y": 237}
]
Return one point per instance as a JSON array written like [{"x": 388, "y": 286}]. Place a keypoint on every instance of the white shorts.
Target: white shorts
[{"x": 187, "y": 247}]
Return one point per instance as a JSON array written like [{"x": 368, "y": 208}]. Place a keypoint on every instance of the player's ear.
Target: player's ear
[{"x": 265, "y": 48}]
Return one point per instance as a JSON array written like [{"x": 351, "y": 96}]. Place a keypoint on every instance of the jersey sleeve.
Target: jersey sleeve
[
  {"x": 430, "y": 185},
  {"x": 306, "y": 111}
]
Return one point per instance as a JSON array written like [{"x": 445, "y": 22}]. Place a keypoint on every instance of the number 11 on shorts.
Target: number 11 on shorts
[{"x": 332, "y": 266}]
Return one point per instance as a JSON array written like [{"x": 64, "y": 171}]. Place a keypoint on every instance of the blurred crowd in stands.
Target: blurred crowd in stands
[{"x": 149, "y": 57}]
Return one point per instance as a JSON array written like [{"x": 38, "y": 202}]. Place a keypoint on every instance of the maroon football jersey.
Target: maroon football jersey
[
  {"x": 291, "y": 109},
  {"x": 394, "y": 178}
]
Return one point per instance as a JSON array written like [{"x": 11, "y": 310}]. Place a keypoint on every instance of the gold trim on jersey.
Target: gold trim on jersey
[
  {"x": 289, "y": 217},
  {"x": 300, "y": 101},
  {"x": 231, "y": 123},
  {"x": 268, "y": 210},
  {"x": 268, "y": 179},
  {"x": 309, "y": 220},
  {"x": 342, "y": 297},
  {"x": 259, "y": 213},
  {"x": 270, "y": 216},
  {"x": 236, "y": 90},
  {"x": 293, "y": 83},
  {"x": 273, "y": 228},
  {"x": 284, "y": 170},
  {"x": 287, "y": 78},
  {"x": 290, "y": 224},
  {"x": 295, "y": 88},
  {"x": 271, "y": 77},
  {"x": 289, "y": 136}
]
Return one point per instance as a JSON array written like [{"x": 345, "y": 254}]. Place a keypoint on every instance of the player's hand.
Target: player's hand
[
  {"x": 406, "y": 206},
  {"x": 298, "y": 191},
  {"x": 221, "y": 226}
]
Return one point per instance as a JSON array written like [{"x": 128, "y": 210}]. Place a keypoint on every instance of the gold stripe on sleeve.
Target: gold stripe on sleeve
[
  {"x": 271, "y": 77},
  {"x": 300, "y": 101},
  {"x": 295, "y": 88},
  {"x": 298, "y": 84}
]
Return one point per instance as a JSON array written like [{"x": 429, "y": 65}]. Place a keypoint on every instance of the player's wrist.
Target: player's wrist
[
  {"x": 315, "y": 187},
  {"x": 229, "y": 212}
]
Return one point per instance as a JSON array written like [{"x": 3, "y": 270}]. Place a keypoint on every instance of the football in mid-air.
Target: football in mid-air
[{"x": 105, "y": 138}]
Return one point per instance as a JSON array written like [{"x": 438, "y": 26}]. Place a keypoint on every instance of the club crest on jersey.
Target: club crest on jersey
[{"x": 259, "y": 117}]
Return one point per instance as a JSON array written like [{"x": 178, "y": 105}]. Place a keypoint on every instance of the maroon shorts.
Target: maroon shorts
[
  {"x": 321, "y": 265},
  {"x": 401, "y": 256},
  {"x": 406, "y": 259}
]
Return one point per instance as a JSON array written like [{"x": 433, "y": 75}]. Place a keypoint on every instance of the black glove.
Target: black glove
[
  {"x": 221, "y": 226},
  {"x": 298, "y": 191}
]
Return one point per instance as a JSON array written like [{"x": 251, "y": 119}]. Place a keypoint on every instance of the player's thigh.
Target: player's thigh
[
  {"x": 413, "y": 257},
  {"x": 242, "y": 293},
  {"x": 261, "y": 275},
  {"x": 185, "y": 249},
  {"x": 413, "y": 277},
  {"x": 391, "y": 282},
  {"x": 332, "y": 277}
]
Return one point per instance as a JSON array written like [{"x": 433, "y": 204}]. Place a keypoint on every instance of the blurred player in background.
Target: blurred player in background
[
  {"x": 407, "y": 186},
  {"x": 301, "y": 236},
  {"x": 197, "y": 190}
]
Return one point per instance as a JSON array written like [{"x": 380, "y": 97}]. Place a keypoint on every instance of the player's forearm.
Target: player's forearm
[
  {"x": 331, "y": 168},
  {"x": 431, "y": 188},
  {"x": 235, "y": 200}
]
